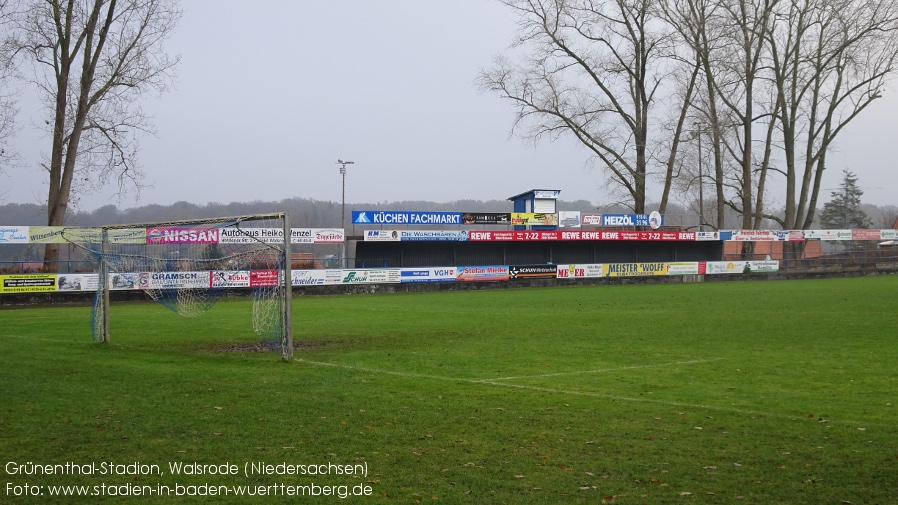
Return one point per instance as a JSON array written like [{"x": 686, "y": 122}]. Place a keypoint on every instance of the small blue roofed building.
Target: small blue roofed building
[{"x": 536, "y": 201}]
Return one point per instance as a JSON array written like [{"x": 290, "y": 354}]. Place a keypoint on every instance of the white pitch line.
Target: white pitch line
[
  {"x": 606, "y": 396},
  {"x": 605, "y": 370}
]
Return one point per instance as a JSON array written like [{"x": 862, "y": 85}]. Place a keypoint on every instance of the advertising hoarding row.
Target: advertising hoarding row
[
  {"x": 802, "y": 235},
  {"x": 37, "y": 283},
  {"x": 562, "y": 219},
  {"x": 169, "y": 235},
  {"x": 627, "y": 235},
  {"x": 543, "y": 235},
  {"x": 196, "y": 235}
]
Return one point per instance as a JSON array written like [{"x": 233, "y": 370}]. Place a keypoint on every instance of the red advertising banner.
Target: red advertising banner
[
  {"x": 687, "y": 236},
  {"x": 865, "y": 235},
  {"x": 258, "y": 278}
]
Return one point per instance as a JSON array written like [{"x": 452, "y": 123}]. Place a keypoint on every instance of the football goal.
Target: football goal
[{"x": 188, "y": 265}]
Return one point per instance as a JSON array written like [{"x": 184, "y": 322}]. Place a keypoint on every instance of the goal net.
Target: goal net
[{"x": 189, "y": 265}]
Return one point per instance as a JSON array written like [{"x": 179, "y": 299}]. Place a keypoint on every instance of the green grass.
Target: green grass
[{"x": 748, "y": 392}]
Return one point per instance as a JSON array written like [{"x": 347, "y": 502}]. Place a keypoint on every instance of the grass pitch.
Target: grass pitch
[{"x": 754, "y": 392}]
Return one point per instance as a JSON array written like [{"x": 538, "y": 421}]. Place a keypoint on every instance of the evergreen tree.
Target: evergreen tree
[{"x": 843, "y": 211}]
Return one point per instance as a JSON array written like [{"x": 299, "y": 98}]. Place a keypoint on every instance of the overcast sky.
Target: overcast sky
[{"x": 271, "y": 93}]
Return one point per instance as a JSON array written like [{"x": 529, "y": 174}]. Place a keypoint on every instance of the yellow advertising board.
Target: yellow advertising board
[
  {"x": 54, "y": 235},
  {"x": 46, "y": 234},
  {"x": 634, "y": 269},
  {"x": 534, "y": 218}
]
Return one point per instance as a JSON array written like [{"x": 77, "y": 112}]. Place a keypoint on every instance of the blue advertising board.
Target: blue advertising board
[
  {"x": 445, "y": 274},
  {"x": 629, "y": 220},
  {"x": 405, "y": 217},
  {"x": 434, "y": 235}
]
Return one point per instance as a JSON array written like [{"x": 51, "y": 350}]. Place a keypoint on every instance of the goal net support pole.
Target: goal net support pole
[
  {"x": 104, "y": 294},
  {"x": 287, "y": 348}
]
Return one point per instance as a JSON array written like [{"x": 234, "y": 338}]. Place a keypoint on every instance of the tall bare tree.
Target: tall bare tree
[
  {"x": 594, "y": 71},
  {"x": 8, "y": 106},
  {"x": 830, "y": 61},
  {"x": 9, "y": 155},
  {"x": 790, "y": 75},
  {"x": 692, "y": 20},
  {"x": 737, "y": 74},
  {"x": 93, "y": 60}
]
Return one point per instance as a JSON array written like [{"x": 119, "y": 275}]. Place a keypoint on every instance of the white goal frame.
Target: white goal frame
[{"x": 88, "y": 241}]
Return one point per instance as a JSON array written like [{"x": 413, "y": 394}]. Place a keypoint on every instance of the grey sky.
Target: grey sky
[{"x": 270, "y": 94}]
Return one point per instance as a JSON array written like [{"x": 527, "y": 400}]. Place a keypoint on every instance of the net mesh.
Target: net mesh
[{"x": 188, "y": 266}]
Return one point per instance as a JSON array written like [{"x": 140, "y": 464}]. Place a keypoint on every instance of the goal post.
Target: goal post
[
  {"x": 188, "y": 265},
  {"x": 287, "y": 298}
]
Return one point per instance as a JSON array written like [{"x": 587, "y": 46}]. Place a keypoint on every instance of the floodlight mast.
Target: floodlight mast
[
  {"x": 700, "y": 128},
  {"x": 343, "y": 207}
]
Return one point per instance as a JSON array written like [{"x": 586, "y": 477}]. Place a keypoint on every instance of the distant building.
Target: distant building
[{"x": 733, "y": 250}]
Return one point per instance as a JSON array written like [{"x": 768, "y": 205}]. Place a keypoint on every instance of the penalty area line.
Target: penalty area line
[
  {"x": 587, "y": 394},
  {"x": 606, "y": 370}
]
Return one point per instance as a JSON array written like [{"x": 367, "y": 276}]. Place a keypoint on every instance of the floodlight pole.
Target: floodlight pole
[
  {"x": 343, "y": 208},
  {"x": 845, "y": 204},
  {"x": 701, "y": 197}
]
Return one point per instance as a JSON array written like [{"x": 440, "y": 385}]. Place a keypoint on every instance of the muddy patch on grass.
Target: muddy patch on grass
[{"x": 263, "y": 347}]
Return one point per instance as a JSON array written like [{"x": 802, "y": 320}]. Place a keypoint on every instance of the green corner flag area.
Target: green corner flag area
[{"x": 719, "y": 392}]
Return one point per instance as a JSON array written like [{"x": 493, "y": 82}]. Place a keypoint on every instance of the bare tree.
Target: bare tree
[
  {"x": 692, "y": 20},
  {"x": 93, "y": 60},
  {"x": 9, "y": 155},
  {"x": 594, "y": 71},
  {"x": 830, "y": 61},
  {"x": 796, "y": 70},
  {"x": 769, "y": 83},
  {"x": 885, "y": 216},
  {"x": 737, "y": 67},
  {"x": 8, "y": 106}
]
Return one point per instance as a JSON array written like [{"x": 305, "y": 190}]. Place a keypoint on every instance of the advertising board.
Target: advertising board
[
  {"x": 446, "y": 274},
  {"x": 13, "y": 234},
  {"x": 486, "y": 218},
  {"x": 582, "y": 271},
  {"x": 482, "y": 273},
  {"x": 405, "y": 217},
  {"x": 532, "y": 271},
  {"x": 635, "y": 269}
]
